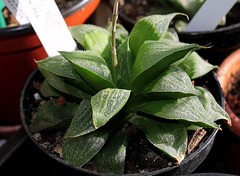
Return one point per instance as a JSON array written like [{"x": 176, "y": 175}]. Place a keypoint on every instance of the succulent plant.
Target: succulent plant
[{"x": 143, "y": 78}]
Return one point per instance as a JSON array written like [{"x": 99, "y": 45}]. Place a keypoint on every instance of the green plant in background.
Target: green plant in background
[
  {"x": 143, "y": 79},
  {"x": 189, "y": 7}
]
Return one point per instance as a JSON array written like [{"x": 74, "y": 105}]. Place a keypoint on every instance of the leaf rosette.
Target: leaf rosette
[{"x": 150, "y": 87}]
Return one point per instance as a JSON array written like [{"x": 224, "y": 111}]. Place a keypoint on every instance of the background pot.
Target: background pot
[
  {"x": 222, "y": 41},
  {"x": 187, "y": 166},
  {"x": 228, "y": 74},
  {"x": 19, "y": 47}
]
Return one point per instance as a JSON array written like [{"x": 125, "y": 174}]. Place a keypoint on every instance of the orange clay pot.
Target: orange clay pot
[
  {"x": 19, "y": 47},
  {"x": 226, "y": 75}
]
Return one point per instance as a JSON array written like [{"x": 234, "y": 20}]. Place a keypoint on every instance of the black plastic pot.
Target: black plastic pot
[
  {"x": 188, "y": 165},
  {"x": 210, "y": 174},
  {"x": 222, "y": 41}
]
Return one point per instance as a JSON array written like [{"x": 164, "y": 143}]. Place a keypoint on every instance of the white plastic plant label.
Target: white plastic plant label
[
  {"x": 49, "y": 25},
  {"x": 209, "y": 15},
  {"x": 16, "y": 9}
]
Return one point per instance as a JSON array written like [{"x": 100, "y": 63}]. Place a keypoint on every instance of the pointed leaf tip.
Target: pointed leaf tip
[{"x": 180, "y": 158}]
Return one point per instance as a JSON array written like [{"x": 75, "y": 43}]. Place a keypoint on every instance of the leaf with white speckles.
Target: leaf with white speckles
[
  {"x": 112, "y": 158},
  {"x": 171, "y": 138},
  {"x": 154, "y": 57},
  {"x": 79, "y": 150},
  {"x": 188, "y": 109},
  {"x": 152, "y": 27},
  {"x": 91, "y": 67},
  {"x": 107, "y": 103},
  {"x": 82, "y": 122},
  {"x": 172, "y": 83}
]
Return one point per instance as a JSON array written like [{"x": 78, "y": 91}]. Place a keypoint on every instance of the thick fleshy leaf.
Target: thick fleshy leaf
[
  {"x": 59, "y": 66},
  {"x": 58, "y": 83},
  {"x": 53, "y": 115},
  {"x": 188, "y": 109},
  {"x": 107, "y": 103},
  {"x": 48, "y": 91},
  {"x": 79, "y": 150},
  {"x": 152, "y": 27},
  {"x": 171, "y": 138},
  {"x": 210, "y": 104},
  {"x": 91, "y": 67},
  {"x": 82, "y": 122},
  {"x": 171, "y": 83},
  {"x": 125, "y": 64},
  {"x": 171, "y": 34},
  {"x": 195, "y": 66},
  {"x": 111, "y": 159},
  {"x": 93, "y": 38},
  {"x": 155, "y": 56}
]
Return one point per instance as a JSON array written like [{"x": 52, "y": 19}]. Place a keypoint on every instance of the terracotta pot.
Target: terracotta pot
[
  {"x": 229, "y": 68},
  {"x": 19, "y": 47}
]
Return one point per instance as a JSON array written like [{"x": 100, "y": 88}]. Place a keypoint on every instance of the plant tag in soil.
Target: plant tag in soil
[
  {"x": 17, "y": 10},
  {"x": 49, "y": 25},
  {"x": 209, "y": 15}
]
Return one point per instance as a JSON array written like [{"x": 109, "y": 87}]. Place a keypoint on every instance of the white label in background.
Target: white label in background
[
  {"x": 209, "y": 15},
  {"x": 16, "y": 9},
  {"x": 49, "y": 25}
]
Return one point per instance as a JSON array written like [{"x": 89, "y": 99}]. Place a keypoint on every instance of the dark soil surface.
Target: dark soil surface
[
  {"x": 137, "y": 9},
  {"x": 142, "y": 156}
]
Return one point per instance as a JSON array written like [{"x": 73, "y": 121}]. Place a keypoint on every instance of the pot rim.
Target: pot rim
[
  {"x": 7, "y": 130},
  {"x": 186, "y": 160},
  {"x": 27, "y": 28}
]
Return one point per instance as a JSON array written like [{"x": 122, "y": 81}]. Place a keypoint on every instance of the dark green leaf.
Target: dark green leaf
[
  {"x": 79, "y": 150},
  {"x": 59, "y": 66},
  {"x": 66, "y": 88},
  {"x": 82, "y": 122},
  {"x": 125, "y": 64},
  {"x": 210, "y": 104},
  {"x": 107, "y": 103},
  {"x": 91, "y": 67},
  {"x": 52, "y": 115},
  {"x": 152, "y": 27},
  {"x": 48, "y": 91},
  {"x": 171, "y": 83},
  {"x": 155, "y": 56},
  {"x": 188, "y": 109},
  {"x": 171, "y": 138},
  {"x": 111, "y": 159},
  {"x": 93, "y": 38},
  {"x": 195, "y": 66}
]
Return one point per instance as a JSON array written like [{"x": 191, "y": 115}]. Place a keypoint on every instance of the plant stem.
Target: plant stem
[{"x": 114, "y": 52}]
